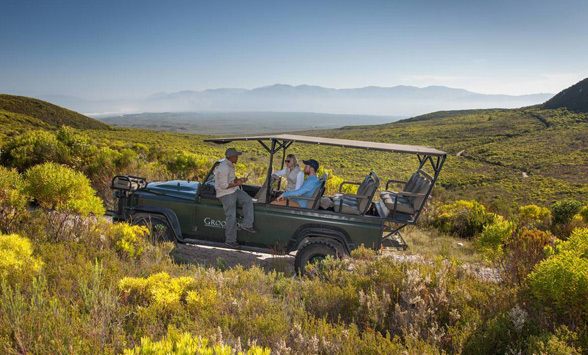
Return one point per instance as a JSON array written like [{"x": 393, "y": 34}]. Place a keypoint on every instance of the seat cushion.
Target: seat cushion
[
  {"x": 402, "y": 205},
  {"x": 344, "y": 208}
]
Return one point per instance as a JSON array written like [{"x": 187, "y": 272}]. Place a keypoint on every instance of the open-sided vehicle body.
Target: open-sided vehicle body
[{"x": 190, "y": 211}]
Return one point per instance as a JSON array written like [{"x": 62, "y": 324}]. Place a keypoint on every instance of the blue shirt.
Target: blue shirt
[{"x": 306, "y": 190}]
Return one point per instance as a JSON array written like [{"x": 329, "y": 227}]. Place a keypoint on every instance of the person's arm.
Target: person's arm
[
  {"x": 299, "y": 180},
  {"x": 280, "y": 173},
  {"x": 306, "y": 187},
  {"x": 223, "y": 180}
]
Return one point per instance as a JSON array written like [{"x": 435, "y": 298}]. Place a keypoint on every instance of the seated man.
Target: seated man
[{"x": 307, "y": 189}]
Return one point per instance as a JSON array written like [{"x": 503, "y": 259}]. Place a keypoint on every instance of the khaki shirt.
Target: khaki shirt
[{"x": 223, "y": 176}]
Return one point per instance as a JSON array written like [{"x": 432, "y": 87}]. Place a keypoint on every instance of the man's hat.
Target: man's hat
[
  {"x": 312, "y": 163},
  {"x": 232, "y": 152}
]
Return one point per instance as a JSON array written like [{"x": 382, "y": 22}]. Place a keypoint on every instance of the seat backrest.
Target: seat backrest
[
  {"x": 417, "y": 202},
  {"x": 318, "y": 193},
  {"x": 362, "y": 189},
  {"x": 363, "y": 201},
  {"x": 369, "y": 190},
  {"x": 411, "y": 182}
]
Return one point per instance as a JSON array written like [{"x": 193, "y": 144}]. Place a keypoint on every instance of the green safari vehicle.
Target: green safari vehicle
[{"x": 189, "y": 212}]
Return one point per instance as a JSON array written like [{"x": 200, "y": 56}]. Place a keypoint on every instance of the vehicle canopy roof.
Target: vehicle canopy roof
[{"x": 345, "y": 143}]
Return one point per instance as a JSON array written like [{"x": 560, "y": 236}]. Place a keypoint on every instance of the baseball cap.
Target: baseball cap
[
  {"x": 232, "y": 152},
  {"x": 312, "y": 163}
]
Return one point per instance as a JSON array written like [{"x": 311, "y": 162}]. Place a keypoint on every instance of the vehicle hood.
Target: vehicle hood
[{"x": 175, "y": 188}]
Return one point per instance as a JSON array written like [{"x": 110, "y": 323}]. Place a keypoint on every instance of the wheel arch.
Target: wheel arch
[
  {"x": 169, "y": 214},
  {"x": 308, "y": 233}
]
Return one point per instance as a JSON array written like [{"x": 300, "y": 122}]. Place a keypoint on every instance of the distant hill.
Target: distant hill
[
  {"x": 574, "y": 98},
  {"x": 404, "y": 101},
  {"x": 40, "y": 113}
]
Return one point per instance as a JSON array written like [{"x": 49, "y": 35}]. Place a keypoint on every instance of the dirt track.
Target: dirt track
[{"x": 214, "y": 256}]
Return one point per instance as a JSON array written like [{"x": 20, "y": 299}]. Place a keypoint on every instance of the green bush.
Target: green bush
[
  {"x": 561, "y": 342},
  {"x": 17, "y": 263},
  {"x": 185, "y": 165},
  {"x": 60, "y": 188},
  {"x": 31, "y": 148},
  {"x": 563, "y": 211},
  {"x": 13, "y": 199},
  {"x": 464, "y": 219},
  {"x": 494, "y": 237},
  {"x": 561, "y": 281},
  {"x": 584, "y": 214}
]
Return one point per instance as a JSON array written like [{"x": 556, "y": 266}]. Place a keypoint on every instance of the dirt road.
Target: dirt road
[{"x": 227, "y": 258}]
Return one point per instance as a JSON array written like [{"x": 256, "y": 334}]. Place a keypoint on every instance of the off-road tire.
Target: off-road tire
[
  {"x": 313, "y": 252},
  {"x": 159, "y": 228}
]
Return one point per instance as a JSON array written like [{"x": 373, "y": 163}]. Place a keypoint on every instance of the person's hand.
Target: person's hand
[
  {"x": 275, "y": 176},
  {"x": 244, "y": 180},
  {"x": 238, "y": 182},
  {"x": 280, "y": 198}
]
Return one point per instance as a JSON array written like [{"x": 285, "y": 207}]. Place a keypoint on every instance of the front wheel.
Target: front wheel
[
  {"x": 314, "y": 253},
  {"x": 158, "y": 227}
]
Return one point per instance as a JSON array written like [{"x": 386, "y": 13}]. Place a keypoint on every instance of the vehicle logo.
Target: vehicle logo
[{"x": 216, "y": 223}]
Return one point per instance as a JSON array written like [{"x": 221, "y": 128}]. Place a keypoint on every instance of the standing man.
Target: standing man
[{"x": 228, "y": 191}]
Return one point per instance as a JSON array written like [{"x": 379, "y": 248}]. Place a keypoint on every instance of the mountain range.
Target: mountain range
[{"x": 404, "y": 101}]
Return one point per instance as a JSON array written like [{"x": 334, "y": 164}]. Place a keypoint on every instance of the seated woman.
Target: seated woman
[
  {"x": 307, "y": 189},
  {"x": 293, "y": 173}
]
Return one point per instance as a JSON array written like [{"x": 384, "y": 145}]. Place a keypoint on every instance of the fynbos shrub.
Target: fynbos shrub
[
  {"x": 563, "y": 211},
  {"x": 13, "y": 199},
  {"x": 561, "y": 281},
  {"x": 184, "y": 343},
  {"x": 493, "y": 238},
  {"x": 128, "y": 240},
  {"x": 533, "y": 216},
  {"x": 523, "y": 252},
  {"x": 60, "y": 188},
  {"x": 17, "y": 263},
  {"x": 464, "y": 219},
  {"x": 33, "y": 148}
]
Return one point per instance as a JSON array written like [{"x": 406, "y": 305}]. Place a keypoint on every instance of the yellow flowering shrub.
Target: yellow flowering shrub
[
  {"x": 534, "y": 216},
  {"x": 17, "y": 263},
  {"x": 13, "y": 199},
  {"x": 184, "y": 343},
  {"x": 464, "y": 219},
  {"x": 199, "y": 300},
  {"x": 584, "y": 214},
  {"x": 128, "y": 240},
  {"x": 334, "y": 181},
  {"x": 494, "y": 237},
  {"x": 159, "y": 289},
  {"x": 57, "y": 187},
  {"x": 561, "y": 281}
]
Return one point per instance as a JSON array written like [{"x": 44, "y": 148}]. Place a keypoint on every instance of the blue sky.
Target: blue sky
[{"x": 128, "y": 49}]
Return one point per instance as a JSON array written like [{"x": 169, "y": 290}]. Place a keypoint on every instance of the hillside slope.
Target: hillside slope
[
  {"x": 574, "y": 98},
  {"x": 521, "y": 155},
  {"x": 47, "y": 113}
]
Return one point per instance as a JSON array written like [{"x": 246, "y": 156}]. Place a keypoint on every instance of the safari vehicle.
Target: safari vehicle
[{"x": 189, "y": 212}]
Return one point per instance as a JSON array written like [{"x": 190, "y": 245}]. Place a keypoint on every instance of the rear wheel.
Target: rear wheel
[
  {"x": 314, "y": 253},
  {"x": 159, "y": 228}
]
